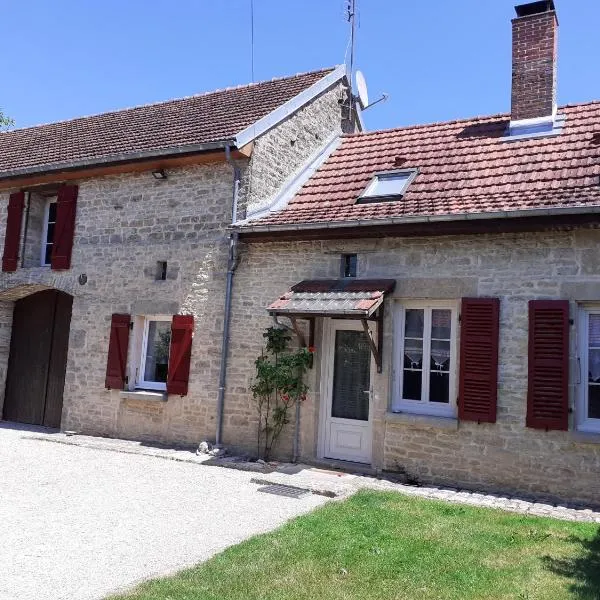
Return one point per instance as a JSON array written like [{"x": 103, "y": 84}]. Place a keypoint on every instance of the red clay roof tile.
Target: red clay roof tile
[
  {"x": 210, "y": 117},
  {"x": 464, "y": 167}
]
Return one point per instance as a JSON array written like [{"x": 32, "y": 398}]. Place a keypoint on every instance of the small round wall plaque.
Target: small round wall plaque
[{"x": 82, "y": 279}]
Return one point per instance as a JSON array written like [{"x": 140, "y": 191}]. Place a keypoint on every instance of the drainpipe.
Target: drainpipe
[
  {"x": 296, "y": 449},
  {"x": 231, "y": 266}
]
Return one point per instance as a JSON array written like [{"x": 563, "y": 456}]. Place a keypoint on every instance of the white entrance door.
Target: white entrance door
[{"x": 346, "y": 390}]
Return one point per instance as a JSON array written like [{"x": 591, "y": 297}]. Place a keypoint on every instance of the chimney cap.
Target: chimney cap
[{"x": 534, "y": 8}]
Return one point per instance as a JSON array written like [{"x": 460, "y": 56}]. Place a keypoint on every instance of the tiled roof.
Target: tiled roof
[
  {"x": 343, "y": 297},
  {"x": 210, "y": 117},
  {"x": 464, "y": 167}
]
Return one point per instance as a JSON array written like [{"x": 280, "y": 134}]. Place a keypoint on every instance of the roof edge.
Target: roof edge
[
  {"x": 293, "y": 185},
  {"x": 286, "y": 109},
  {"x": 369, "y": 223},
  {"x": 170, "y": 100},
  {"x": 127, "y": 157},
  {"x": 475, "y": 118}
]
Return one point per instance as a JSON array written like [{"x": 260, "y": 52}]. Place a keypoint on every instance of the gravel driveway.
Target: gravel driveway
[{"x": 78, "y": 523}]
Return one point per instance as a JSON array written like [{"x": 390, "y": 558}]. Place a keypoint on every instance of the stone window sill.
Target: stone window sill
[
  {"x": 144, "y": 395},
  {"x": 429, "y": 421},
  {"x": 585, "y": 437}
]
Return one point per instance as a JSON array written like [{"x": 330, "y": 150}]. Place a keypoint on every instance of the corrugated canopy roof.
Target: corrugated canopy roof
[{"x": 333, "y": 297}]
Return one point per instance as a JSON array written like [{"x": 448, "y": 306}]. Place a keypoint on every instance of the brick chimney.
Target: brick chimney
[{"x": 534, "y": 44}]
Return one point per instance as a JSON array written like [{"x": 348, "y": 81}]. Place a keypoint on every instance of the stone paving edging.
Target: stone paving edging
[{"x": 346, "y": 485}]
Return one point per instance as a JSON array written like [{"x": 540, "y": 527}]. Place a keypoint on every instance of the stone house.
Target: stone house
[
  {"x": 448, "y": 277},
  {"x": 117, "y": 250}
]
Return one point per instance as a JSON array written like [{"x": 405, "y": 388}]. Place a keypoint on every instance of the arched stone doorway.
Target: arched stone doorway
[{"x": 38, "y": 358}]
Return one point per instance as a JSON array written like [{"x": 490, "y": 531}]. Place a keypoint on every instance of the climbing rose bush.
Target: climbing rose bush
[{"x": 278, "y": 386}]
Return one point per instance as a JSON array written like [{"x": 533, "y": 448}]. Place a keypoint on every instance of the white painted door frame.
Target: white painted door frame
[{"x": 330, "y": 326}]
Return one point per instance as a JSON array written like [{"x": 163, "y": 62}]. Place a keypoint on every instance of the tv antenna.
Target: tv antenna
[
  {"x": 351, "y": 12},
  {"x": 357, "y": 78}
]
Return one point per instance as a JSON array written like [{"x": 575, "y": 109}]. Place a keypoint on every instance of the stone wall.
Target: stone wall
[
  {"x": 127, "y": 223},
  {"x": 284, "y": 150},
  {"x": 514, "y": 267},
  {"x": 6, "y": 316}
]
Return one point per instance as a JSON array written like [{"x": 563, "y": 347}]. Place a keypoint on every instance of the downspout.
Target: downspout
[{"x": 231, "y": 266}]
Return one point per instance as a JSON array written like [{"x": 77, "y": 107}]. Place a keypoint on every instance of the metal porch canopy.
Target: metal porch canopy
[{"x": 360, "y": 299}]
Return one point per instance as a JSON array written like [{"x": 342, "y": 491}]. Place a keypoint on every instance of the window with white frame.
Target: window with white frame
[
  {"x": 588, "y": 409},
  {"x": 154, "y": 359},
  {"x": 425, "y": 358},
  {"x": 48, "y": 231},
  {"x": 388, "y": 186}
]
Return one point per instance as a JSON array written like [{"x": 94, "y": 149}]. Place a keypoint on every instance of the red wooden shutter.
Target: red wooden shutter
[
  {"x": 12, "y": 237},
  {"x": 548, "y": 389},
  {"x": 116, "y": 365},
  {"x": 66, "y": 204},
  {"x": 182, "y": 329},
  {"x": 478, "y": 387}
]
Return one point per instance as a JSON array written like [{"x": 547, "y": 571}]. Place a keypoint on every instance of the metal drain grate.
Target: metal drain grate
[{"x": 284, "y": 490}]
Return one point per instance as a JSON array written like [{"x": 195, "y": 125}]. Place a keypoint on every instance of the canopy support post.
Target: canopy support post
[
  {"x": 375, "y": 347},
  {"x": 298, "y": 331}
]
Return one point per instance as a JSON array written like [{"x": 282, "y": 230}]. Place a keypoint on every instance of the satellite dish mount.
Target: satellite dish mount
[{"x": 362, "y": 95}]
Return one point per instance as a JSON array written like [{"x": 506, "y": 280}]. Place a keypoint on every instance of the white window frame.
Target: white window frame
[
  {"x": 49, "y": 201},
  {"x": 424, "y": 406},
  {"x": 583, "y": 423},
  {"x": 368, "y": 194},
  {"x": 140, "y": 383}
]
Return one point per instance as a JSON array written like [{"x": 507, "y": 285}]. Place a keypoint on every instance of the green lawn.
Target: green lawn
[{"x": 386, "y": 545}]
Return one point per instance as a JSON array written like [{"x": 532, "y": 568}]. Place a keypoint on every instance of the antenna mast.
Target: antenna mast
[
  {"x": 351, "y": 10},
  {"x": 252, "y": 39}
]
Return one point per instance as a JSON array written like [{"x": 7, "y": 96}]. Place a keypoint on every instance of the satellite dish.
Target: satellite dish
[{"x": 361, "y": 89}]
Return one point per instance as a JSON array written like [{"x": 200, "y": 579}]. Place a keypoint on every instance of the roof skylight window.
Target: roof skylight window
[{"x": 387, "y": 186}]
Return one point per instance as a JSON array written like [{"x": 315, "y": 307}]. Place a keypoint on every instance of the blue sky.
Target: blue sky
[{"x": 437, "y": 60}]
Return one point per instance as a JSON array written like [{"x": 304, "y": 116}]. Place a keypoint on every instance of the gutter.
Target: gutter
[
  {"x": 231, "y": 267},
  {"x": 114, "y": 159},
  {"x": 464, "y": 217}
]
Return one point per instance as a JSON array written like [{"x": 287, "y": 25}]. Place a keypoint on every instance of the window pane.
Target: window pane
[
  {"x": 594, "y": 331},
  {"x": 413, "y": 354},
  {"x": 388, "y": 185},
  {"x": 440, "y": 355},
  {"x": 593, "y": 402},
  {"x": 414, "y": 323},
  {"x": 411, "y": 385},
  {"x": 350, "y": 263},
  {"x": 52, "y": 212},
  {"x": 351, "y": 376},
  {"x": 157, "y": 354},
  {"x": 440, "y": 324},
  {"x": 594, "y": 366},
  {"x": 439, "y": 387},
  {"x": 50, "y": 232},
  {"x": 48, "y": 254}
]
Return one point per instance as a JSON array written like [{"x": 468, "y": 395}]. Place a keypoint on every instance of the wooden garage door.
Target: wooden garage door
[{"x": 38, "y": 359}]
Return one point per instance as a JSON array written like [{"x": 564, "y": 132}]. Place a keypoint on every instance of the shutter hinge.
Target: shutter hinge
[
  {"x": 571, "y": 322},
  {"x": 126, "y": 379},
  {"x": 459, "y": 317},
  {"x": 131, "y": 325}
]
